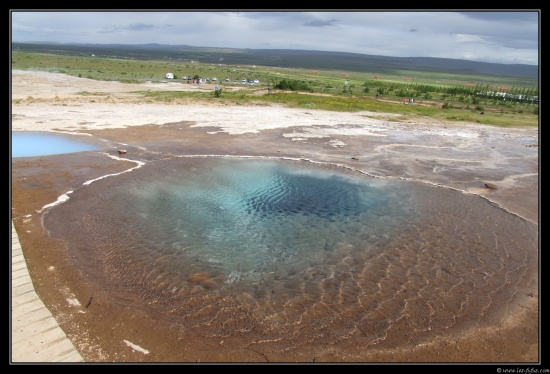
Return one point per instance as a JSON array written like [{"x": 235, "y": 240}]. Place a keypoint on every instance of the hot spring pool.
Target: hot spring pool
[{"x": 293, "y": 253}]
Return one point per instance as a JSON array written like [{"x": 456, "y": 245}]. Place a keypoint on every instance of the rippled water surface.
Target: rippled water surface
[{"x": 288, "y": 253}]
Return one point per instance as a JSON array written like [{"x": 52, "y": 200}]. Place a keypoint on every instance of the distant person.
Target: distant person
[
  {"x": 411, "y": 101},
  {"x": 377, "y": 96},
  {"x": 216, "y": 88},
  {"x": 268, "y": 89},
  {"x": 404, "y": 100}
]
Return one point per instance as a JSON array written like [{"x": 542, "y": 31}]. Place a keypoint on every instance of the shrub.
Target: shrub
[{"x": 293, "y": 85}]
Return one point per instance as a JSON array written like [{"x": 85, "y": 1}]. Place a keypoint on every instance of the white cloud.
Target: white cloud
[{"x": 465, "y": 38}]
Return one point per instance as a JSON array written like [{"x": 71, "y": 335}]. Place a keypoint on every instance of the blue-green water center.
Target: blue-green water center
[{"x": 245, "y": 217}]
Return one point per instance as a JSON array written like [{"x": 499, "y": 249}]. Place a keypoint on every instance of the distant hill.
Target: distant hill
[{"x": 285, "y": 58}]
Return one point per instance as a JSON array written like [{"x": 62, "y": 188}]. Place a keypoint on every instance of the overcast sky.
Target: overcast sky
[{"x": 510, "y": 37}]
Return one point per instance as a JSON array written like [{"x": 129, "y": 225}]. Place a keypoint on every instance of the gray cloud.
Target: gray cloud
[
  {"x": 140, "y": 27},
  {"x": 330, "y": 22}
]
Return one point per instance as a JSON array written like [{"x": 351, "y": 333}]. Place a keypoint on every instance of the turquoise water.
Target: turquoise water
[
  {"x": 31, "y": 144},
  {"x": 246, "y": 218},
  {"x": 242, "y": 219}
]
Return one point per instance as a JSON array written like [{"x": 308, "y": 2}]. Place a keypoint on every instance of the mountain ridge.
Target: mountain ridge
[{"x": 285, "y": 58}]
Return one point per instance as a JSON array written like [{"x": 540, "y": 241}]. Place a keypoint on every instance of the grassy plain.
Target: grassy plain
[{"x": 326, "y": 89}]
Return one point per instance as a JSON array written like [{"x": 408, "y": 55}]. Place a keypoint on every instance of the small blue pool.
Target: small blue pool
[{"x": 31, "y": 144}]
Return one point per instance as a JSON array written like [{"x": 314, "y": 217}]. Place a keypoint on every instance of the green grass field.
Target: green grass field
[{"x": 436, "y": 95}]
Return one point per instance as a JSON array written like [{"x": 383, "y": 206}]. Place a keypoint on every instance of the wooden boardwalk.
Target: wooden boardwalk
[{"x": 35, "y": 334}]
